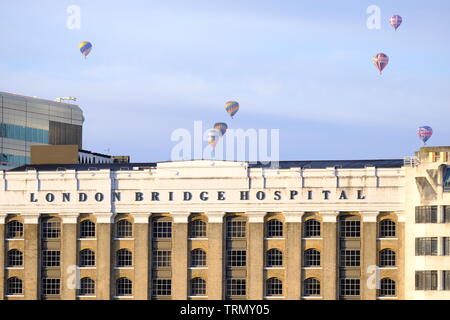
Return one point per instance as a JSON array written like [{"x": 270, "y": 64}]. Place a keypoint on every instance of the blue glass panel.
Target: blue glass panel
[{"x": 23, "y": 133}]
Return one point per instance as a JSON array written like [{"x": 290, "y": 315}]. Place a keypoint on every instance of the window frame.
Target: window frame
[
  {"x": 13, "y": 258},
  {"x": 87, "y": 229},
  {"x": 123, "y": 257},
  {"x": 274, "y": 287},
  {"x": 311, "y": 287},
  {"x": 14, "y": 286},
  {"x": 87, "y": 287},
  {"x": 197, "y": 229},
  {"x": 274, "y": 258},
  {"x": 387, "y": 228},
  {"x": 274, "y": 228},
  {"x": 124, "y": 287},
  {"x": 14, "y": 230},
  {"x": 197, "y": 258},
  {"x": 197, "y": 287},
  {"x": 387, "y": 258},
  {"x": 312, "y": 228},
  {"x": 87, "y": 258}
]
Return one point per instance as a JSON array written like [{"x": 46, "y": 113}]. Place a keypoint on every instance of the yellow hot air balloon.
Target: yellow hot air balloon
[{"x": 85, "y": 48}]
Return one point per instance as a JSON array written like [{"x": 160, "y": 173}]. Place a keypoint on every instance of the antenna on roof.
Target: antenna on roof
[{"x": 66, "y": 99}]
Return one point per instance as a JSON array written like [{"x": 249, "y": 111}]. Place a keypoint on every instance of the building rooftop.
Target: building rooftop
[{"x": 314, "y": 164}]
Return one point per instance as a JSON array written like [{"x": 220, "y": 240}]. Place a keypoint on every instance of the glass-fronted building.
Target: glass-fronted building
[{"x": 27, "y": 121}]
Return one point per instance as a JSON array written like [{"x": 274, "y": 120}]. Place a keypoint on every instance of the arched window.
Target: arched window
[
  {"x": 87, "y": 287},
  {"x": 87, "y": 229},
  {"x": 14, "y": 286},
  {"x": 274, "y": 258},
  {"x": 124, "y": 287},
  {"x": 14, "y": 230},
  {"x": 87, "y": 258},
  {"x": 124, "y": 229},
  {"x": 274, "y": 287},
  {"x": 387, "y": 229},
  {"x": 387, "y": 287},
  {"x": 274, "y": 228},
  {"x": 311, "y": 258},
  {"x": 311, "y": 287},
  {"x": 387, "y": 258},
  {"x": 198, "y": 287},
  {"x": 124, "y": 258},
  {"x": 312, "y": 228},
  {"x": 198, "y": 229},
  {"x": 198, "y": 258},
  {"x": 15, "y": 258}
]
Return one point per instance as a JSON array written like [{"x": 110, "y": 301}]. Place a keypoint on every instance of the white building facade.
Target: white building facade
[{"x": 345, "y": 229}]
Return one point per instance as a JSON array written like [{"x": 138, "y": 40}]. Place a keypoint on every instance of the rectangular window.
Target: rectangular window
[
  {"x": 236, "y": 229},
  {"x": 51, "y": 258},
  {"x": 236, "y": 287},
  {"x": 162, "y": 229},
  {"x": 446, "y": 280},
  {"x": 350, "y": 229},
  {"x": 446, "y": 176},
  {"x": 50, "y": 286},
  {"x": 446, "y": 217},
  {"x": 162, "y": 258},
  {"x": 161, "y": 287},
  {"x": 51, "y": 230},
  {"x": 426, "y": 280},
  {"x": 426, "y": 214},
  {"x": 350, "y": 287},
  {"x": 426, "y": 246},
  {"x": 446, "y": 246},
  {"x": 350, "y": 258},
  {"x": 236, "y": 258}
]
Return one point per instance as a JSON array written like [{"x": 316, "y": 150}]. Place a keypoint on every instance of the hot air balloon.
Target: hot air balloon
[
  {"x": 232, "y": 108},
  {"x": 213, "y": 137},
  {"x": 380, "y": 60},
  {"x": 221, "y": 126},
  {"x": 424, "y": 133},
  {"x": 85, "y": 48},
  {"x": 395, "y": 21}
]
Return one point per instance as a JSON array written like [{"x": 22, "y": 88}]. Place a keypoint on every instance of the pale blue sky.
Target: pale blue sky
[{"x": 303, "y": 67}]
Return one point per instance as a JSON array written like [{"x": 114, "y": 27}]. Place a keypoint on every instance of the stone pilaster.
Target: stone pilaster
[
  {"x": 105, "y": 287},
  {"x": 31, "y": 256},
  {"x": 368, "y": 254},
  {"x": 69, "y": 254},
  {"x": 180, "y": 256},
  {"x": 141, "y": 264},
  {"x": 255, "y": 255},
  {"x": 214, "y": 286},
  {"x": 330, "y": 247},
  {"x": 293, "y": 255}
]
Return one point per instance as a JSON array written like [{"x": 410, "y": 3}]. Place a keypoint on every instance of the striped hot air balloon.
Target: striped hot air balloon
[
  {"x": 396, "y": 21},
  {"x": 424, "y": 133},
  {"x": 85, "y": 48},
  {"x": 213, "y": 137},
  {"x": 380, "y": 60},
  {"x": 232, "y": 108},
  {"x": 221, "y": 126}
]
